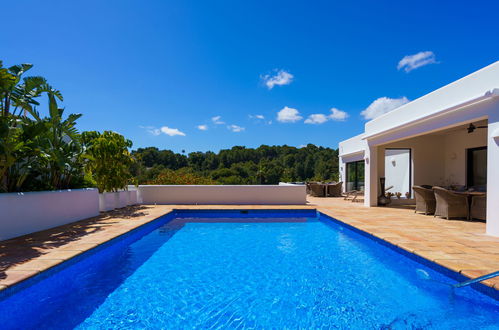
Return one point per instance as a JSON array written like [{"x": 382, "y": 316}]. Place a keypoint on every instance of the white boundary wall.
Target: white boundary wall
[
  {"x": 25, "y": 213},
  {"x": 218, "y": 194}
]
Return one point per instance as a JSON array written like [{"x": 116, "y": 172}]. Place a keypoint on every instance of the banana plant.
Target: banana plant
[
  {"x": 19, "y": 93},
  {"x": 19, "y": 151},
  {"x": 60, "y": 146}
]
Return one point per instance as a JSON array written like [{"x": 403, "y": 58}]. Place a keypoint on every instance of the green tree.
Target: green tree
[{"x": 109, "y": 160}]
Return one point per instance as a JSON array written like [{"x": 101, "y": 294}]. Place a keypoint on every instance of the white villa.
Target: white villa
[{"x": 447, "y": 137}]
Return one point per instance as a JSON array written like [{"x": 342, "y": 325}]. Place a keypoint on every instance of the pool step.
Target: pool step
[{"x": 476, "y": 280}]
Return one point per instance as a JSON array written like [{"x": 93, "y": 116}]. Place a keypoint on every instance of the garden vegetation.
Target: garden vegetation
[{"x": 49, "y": 153}]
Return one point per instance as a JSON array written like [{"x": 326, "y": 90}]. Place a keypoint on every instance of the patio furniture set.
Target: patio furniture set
[
  {"x": 317, "y": 189},
  {"x": 447, "y": 203}
]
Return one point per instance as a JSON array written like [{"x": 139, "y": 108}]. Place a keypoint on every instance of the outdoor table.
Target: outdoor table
[
  {"x": 469, "y": 195},
  {"x": 324, "y": 186}
]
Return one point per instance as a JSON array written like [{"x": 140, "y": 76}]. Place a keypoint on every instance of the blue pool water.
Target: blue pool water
[{"x": 260, "y": 269}]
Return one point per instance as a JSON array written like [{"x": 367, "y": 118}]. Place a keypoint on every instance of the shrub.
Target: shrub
[
  {"x": 180, "y": 177},
  {"x": 108, "y": 160}
]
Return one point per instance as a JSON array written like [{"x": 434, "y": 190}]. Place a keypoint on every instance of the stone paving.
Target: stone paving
[{"x": 456, "y": 244}]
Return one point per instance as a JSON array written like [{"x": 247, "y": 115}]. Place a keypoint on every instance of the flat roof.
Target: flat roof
[{"x": 481, "y": 84}]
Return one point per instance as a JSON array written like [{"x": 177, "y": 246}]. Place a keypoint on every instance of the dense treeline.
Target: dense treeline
[{"x": 238, "y": 165}]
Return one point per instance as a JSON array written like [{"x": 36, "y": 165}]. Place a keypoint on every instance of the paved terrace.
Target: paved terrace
[{"x": 458, "y": 245}]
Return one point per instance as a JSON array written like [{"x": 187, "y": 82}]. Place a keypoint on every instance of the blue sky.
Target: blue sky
[{"x": 152, "y": 68}]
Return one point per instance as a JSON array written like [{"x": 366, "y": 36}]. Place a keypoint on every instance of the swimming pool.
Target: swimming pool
[{"x": 244, "y": 269}]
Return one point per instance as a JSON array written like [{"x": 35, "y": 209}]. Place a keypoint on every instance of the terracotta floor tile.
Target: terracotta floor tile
[
  {"x": 59, "y": 254},
  {"x": 38, "y": 264},
  {"x": 78, "y": 246},
  {"x": 11, "y": 277}
]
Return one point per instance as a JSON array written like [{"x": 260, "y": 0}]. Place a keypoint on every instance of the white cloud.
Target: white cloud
[
  {"x": 202, "y": 127},
  {"x": 288, "y": 115},
  {"x": 280, "y": 78},
  {"x": 165, "y": 130},
  {"x": 338, "y": 115},
  {"x": 216, "y": 120},
  {"x": 411, "y": 62},
  {"x": 235, "y": 128},
  {"x": 317, "y": 118},
  {"x": 382, "y": 105},
  {"x": 171, "y": 131},
  {"x": 260, "y": 119},
  {"x": 152, "y": 130}
]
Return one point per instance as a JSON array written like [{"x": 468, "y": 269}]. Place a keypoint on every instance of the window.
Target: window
[
  {"x": 355, "y": 176},
  {"x": 477, "y": 167}
]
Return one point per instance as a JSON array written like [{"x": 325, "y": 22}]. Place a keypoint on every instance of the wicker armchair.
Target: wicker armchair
[
  {"x": 317, "y": 190},
  {"x": 334, "y": 190},
  {"x": 478, "y": 209},
  {"x": 309, "y": 190},
  {"x": 450, "y": 205},
  {"x": 425, "y": 200}
]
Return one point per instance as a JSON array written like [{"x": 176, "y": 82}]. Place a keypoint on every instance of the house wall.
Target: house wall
[
  {"x": 25, "y": 213},
  {"x": 398, "y": 170},
  {"x": 455, "y": 146},
  {"x": 493, "y": 173},
  {"x": 428, "y": 165}
]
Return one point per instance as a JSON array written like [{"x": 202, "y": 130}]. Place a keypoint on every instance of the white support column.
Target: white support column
[
  {"x": 342, "y": 175},
  {"x": 371, "y": 176},
  {"x": 493, "y": 175}
]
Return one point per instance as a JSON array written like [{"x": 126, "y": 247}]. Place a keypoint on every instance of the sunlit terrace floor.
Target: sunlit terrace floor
[{"x": 456, "y": 244}]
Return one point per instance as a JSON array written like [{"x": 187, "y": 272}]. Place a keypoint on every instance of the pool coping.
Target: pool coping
[{"x": 43, "y": 270}]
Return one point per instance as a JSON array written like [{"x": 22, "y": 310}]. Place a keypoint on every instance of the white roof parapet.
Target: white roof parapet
[
  {"x": 477, "y": 86},
  {"x": 353, "y": 145}
]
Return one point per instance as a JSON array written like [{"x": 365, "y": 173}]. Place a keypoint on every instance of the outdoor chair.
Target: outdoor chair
[
  {"x": 353, "y": 194},
  {"x": 450, "y": 204},
  {"x": 425, "y": 200},
  {"x": 478, "y": 209},
  {"x": 308, "y": 186},
  {"x": 317, "y": 190},
  {"x": 334, "y": 190}
]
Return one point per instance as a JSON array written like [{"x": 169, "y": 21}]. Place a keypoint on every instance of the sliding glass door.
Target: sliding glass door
[
  {"x": 355, "y": 176},
  {"x": 477, "y": 167}
]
